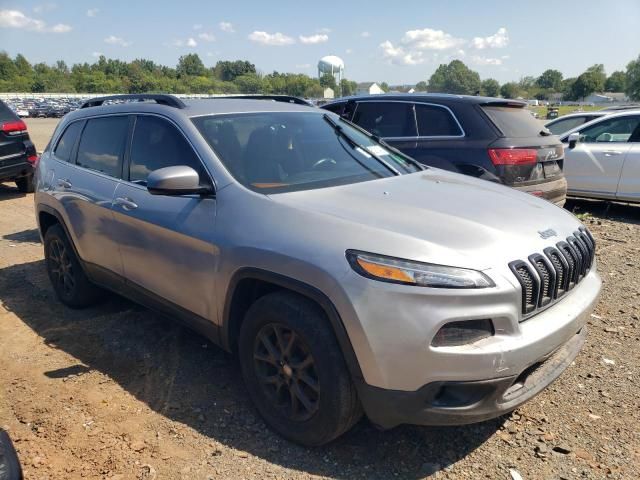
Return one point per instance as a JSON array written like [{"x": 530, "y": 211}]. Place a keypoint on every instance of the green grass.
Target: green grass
[{"x": 564, "y": 109}]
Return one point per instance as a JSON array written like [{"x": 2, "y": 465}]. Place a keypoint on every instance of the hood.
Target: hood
[{"x": 440, "y": 217}]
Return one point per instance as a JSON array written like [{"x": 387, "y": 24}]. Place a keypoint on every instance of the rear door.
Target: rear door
[
  {"x": 167, "y": 242},
  {"x": 594, "y": 165},
  {"x": 85, "y": 189}
]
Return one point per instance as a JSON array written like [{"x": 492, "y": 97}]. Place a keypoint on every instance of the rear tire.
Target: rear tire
[
  {"x": 69, "y": 281},
  {"x": 25, "y": 184},
  {"x": 294, "y": 370}
]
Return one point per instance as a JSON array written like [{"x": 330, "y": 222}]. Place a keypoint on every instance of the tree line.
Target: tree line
[
  {"x": 457, "y": 78},
  {"x": 107, "y": 75}
]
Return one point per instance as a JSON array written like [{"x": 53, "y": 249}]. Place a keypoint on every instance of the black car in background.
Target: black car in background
[
  {"x": 17, "y": 151},
  {"x": 489, "y": 138}
]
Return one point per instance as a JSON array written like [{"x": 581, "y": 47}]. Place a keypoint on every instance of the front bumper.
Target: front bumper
[{"x": 459, "y": 403}]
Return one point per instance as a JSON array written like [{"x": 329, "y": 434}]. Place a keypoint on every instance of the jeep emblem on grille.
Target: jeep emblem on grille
[{"x": 550, "y": 232}]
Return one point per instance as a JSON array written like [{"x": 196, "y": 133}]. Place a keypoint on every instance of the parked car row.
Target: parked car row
[
  {"x": 348, "y": 277},
  {"x": 43, "y": 107}
]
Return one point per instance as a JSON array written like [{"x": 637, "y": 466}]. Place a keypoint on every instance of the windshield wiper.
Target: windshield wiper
[{"x": 340, "y": 131}]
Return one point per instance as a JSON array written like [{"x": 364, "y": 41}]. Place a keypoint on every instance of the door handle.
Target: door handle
[
  {"x": 64, "y": 183},
  {"x": 609, "y": 153},
  {"x": 125, "y": 203}
]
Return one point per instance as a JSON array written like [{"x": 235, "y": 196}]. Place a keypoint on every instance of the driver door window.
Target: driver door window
[
  {"x": 612, "y": 130},
  {"x": 158, "y": 144}
]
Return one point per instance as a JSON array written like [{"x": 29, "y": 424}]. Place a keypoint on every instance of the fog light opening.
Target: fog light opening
[{"x": 463, "y": 332}]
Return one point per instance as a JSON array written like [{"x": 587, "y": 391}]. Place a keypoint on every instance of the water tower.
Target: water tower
[{"x": 333, "y": 65}]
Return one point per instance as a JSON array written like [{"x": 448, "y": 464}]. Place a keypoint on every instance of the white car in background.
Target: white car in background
[
  {"x": 563, "y": 124},
  {"x": 602, "y": 157}
]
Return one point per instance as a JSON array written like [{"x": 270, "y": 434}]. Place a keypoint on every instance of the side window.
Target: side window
[
  {"x": 102, "y": 144},
  {"x": 564, "y": 125},
  {"x": 436, "y": 122},
  {"x": 615, "y": 130},
  {"x": 335, "y": 108},
  {"x": 67, "y": 141},
  {"x": 386, "y": 119},
  {"x": 158, "y": 144}
]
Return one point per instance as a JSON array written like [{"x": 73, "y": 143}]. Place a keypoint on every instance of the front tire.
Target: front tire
[
  {"x": 294, "y": 370},
  {"x": 69, "y": 281},
  {"x": 25, "y": 184}
]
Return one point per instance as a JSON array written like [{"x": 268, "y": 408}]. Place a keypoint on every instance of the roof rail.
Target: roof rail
[
  {"x": 275, "y": 98},
  {"x": 159, "y": 98}
]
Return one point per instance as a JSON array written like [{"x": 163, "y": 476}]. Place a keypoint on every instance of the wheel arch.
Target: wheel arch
[{"x": 249, "y": 284}]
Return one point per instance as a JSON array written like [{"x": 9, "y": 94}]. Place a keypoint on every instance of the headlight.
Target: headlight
[{"x": 396, "y": 270}]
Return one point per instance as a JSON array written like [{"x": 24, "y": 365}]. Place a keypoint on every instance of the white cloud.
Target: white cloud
[
  {"x": 399, "y": 56},
  {"x": 45, "y": 7},
  {"x": 96, "y": 54},
  {"x": 207, "y": 37},
  {"x": 365, "y": 34},
  {"x": 189, "y": 42},
  {"x": 226, "y": 27},
  {"x": 197, "y": 26},
  {"x": 318, "y": 38},
  {"x": 92, "y": 12},
  {"x": 274, "y": 39},
  {"x": 17, "y": 19},
  {"x": 499, "y": 39},
  {"x": 119, "y": 41},
  {"x": 429, "y": 39},
  {"x": 348, "y": 51},
  {"x": 478, "y": 60},
  {"x": 60, "y": 28},
  {"x": 324, "y": 30}
]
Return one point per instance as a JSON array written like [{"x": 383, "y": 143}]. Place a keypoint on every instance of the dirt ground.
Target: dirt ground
[{"x": 118, "y": 392}]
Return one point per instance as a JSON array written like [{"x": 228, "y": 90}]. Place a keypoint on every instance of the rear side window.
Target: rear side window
[
  {"x": 158, "y": 144},
  {"x": 434, "y": 121},
  {"x": 566, "y": 124},
  {"x": 65, "y": 145},
  {"x": 386, "y": 119},
  {"x": 513, "y": 122},
  {"x": 102, "y": 144}
]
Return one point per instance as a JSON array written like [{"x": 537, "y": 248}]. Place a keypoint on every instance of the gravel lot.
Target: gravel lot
[{"x": 118, "y": 392}]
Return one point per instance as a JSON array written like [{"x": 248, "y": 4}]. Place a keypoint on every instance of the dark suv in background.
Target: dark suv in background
[
  {"x": 489, "y": 138},
  {"x": 17, "y": 152}
]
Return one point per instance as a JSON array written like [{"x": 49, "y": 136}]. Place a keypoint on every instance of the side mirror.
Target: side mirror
[
  {"x": 574, "y": 138},
  {"x": 178, "y": 180}
]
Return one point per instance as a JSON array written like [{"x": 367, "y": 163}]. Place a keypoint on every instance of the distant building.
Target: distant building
[
  {"x": 368, "y": 88},
  {"x": 607, "y": 97},
  {"x": 328, "y": 93}
]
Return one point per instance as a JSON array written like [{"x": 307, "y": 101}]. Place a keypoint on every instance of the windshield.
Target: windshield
[{"x": 275, "y": 152}]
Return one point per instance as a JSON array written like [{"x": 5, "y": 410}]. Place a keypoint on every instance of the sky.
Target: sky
[{"x": 397, "y": 42}]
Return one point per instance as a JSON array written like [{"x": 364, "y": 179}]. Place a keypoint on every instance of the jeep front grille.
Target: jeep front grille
[{"x": 546, "y": 277}]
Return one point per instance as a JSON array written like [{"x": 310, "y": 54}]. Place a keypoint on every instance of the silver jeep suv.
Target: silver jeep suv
[{"x": 347, "y": 277}]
